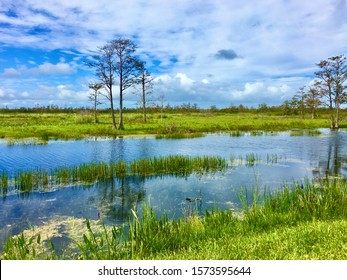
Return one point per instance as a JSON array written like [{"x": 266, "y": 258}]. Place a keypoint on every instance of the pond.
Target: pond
[{"x": 263, "y": 160}]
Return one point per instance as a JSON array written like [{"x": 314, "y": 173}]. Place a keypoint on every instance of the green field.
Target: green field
[{"x": 77, "y": 124}]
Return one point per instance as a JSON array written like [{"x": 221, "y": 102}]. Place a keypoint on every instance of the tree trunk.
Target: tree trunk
[
  {"x": 112, "y": 112},
  {"x": 95, "y": 102},
  {"x": 120, "y": 125},
  {"x": 144, "y": 100}
]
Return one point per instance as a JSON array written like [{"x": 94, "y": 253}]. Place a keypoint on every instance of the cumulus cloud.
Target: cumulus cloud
[{"x": 184, "y": 80}]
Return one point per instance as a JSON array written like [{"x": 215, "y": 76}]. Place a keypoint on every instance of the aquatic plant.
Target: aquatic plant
[
  {"x": 178, "y": 135},
  {"x": 89, "y": 173},
  {"x": 20, "y": 248},
  {"x": 252, "y": 159},
  {"x": 305, "y": 132},
  {"x": 237, "y": 133},
  {"x": 176, "y": 165},
  {"x": 3, "y": 183}
]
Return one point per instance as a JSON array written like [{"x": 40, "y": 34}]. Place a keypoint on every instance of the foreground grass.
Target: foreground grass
[
  {"x": 321, "y": 240},
  {"x": 297, "y": 223},
  {"x": 74, "y": 125}
]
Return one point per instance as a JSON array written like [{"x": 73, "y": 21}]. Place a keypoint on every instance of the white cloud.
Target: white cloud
[
  {"x": 184, "y": 80},
  {"x": 42, "y": 69},
  {"x": 253, "y": 88},
  {"x": 49, "y": 68},
  {"x": 11, "y": 72},
  {"x": 272, "y": 89},
  {"x": 182, "y": 41},
  {"x": 25, "y": 94}
]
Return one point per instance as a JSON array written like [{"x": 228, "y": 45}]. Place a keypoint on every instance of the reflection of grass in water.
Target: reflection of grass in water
[{"x": 251, "y": 159}]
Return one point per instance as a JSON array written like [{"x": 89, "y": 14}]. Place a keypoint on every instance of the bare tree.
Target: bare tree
[
  {"x": 312, "y": 100},
  {"x": 161, "y": 98},
  {"x": 331, "y": 84},
  {"x": 115, "y": 59},
  {"x": 145, "y": 80},
  {"x": 126, "y": 68},
  {"x": 299, "y": 100},
  {"x": 93, "y": 96},
  {"x": 104, "y": 65}
]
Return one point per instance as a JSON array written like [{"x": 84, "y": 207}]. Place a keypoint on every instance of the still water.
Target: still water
[{"x": 281, "y": 159}]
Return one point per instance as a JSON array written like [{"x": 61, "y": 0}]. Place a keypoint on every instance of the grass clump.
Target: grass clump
[
  {"x": 3, "y": 183},
  {"x": 177, "y": 165},
  {"x": 90, "y": 173}
]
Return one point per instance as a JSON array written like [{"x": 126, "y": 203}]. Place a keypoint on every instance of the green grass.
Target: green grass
[
  {"x": 89, "y": 173},
  {"x": 73, "y": 125},
  {"x": 292, "y": 223}
]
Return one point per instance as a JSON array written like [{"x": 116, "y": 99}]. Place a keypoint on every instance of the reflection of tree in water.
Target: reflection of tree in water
[
  {"x": 117, "y": 197},
  {"x": 335, "y": 163}
]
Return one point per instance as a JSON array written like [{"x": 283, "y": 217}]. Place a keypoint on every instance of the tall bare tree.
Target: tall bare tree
[
  {"x": 126, "y": 68},
  {"x": 93, "y": 96},
  {"x": 104, "y": 65},
  {"x": 145, "y": 80},
  {"x": 331, "y": 83},
  {"x": 115, "y": 59}
]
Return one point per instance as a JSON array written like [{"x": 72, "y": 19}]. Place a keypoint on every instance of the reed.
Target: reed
[
  {"x": 90, "y": 173},
  {"x": 237, "y": 133},
  {"x": 305, "y": 132},
  {"x": 4, "y": 183},
  {"x": 178, "y": 165},
  {"x": 252, "y": 159},
  {"x": 179, "y": 135}
]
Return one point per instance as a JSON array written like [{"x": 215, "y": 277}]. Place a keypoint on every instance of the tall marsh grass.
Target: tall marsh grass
[{"x": 90, "y": 173}]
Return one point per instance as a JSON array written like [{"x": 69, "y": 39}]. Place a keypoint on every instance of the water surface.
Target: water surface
[{"x": 281, "y": 159}]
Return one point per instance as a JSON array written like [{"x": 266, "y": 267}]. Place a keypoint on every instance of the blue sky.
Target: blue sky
[{"x": 206, "y": 52}]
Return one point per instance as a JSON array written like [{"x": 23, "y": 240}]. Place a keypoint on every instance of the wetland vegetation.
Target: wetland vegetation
[
  {"x": 304, "y": 222},
  {"x": 18, "y": 126},
  {"x": 300, "y": 220}
]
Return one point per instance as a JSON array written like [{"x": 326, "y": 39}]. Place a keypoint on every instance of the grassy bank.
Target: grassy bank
[
  {"x": 305, "y": 222},
  {"x": 76, "y": 125}
]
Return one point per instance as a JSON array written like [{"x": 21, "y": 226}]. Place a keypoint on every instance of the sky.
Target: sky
[{"x": 206, "y": 52}]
